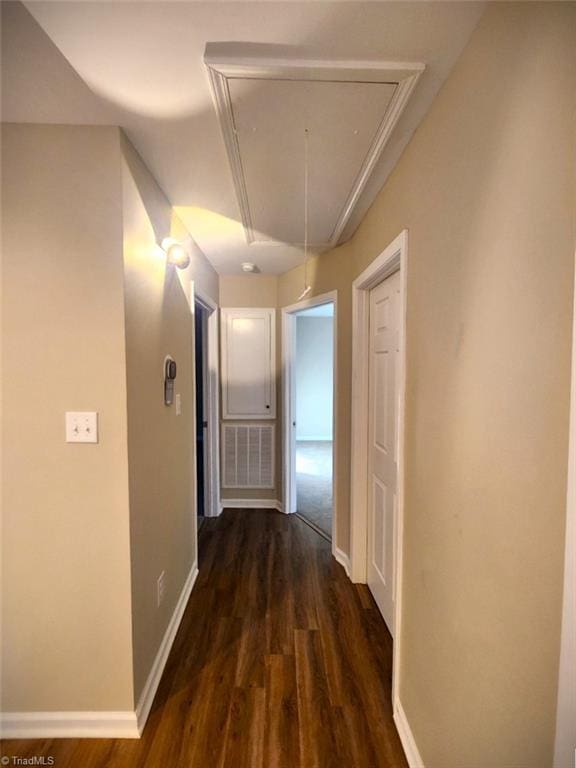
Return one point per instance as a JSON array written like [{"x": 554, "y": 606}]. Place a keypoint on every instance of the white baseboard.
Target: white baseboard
[
  {"x": 100, "y": 725},
  {"x": 407, "y": 737},
  {"x": 252, "y": 504},
  {"x": 147, "y": 695},
  {"x": 343, "y": 559},
  {"x": 314, "y": 439},
  {"x": 69, "y": 725}
]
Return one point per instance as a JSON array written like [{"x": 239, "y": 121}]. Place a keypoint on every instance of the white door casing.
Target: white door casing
[
  {"x": 382, "y": 442},
  {"x": 289, "y": 314}
]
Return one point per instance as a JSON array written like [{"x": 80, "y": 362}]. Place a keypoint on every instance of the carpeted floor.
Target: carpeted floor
[{"x": 314, "y": 483}]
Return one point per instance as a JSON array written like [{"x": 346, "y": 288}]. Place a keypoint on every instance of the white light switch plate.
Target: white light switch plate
[{"x": 81, "y": 427}]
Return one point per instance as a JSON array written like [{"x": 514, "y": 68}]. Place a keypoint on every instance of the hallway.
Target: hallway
[{"x": 279, "y": 661}]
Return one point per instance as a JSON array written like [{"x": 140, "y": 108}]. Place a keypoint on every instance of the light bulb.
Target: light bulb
[
  {"x": 175, "y": 253},
  {"x": 178, "y": 255}
]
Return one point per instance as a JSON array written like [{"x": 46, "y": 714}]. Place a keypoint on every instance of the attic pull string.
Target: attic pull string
[{"x": 307, "y": 288}]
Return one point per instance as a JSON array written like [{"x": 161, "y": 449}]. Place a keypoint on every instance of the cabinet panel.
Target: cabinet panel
[{"x": 248, "y": 363}]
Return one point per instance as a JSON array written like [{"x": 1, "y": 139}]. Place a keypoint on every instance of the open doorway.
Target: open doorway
[
  {"x": 309, "y": 344},
  {"x": 200, "y": 349},
  {"x": 314, "y": 364},
  {"x": 206, "y": 361}
]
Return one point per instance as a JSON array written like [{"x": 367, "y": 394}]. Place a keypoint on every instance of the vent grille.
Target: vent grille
[{"x": 248, "y": 455}]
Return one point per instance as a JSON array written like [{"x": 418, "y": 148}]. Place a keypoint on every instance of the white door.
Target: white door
[
  {"x": 248, "y": 363},
  {"x": 382, "y": 443}
]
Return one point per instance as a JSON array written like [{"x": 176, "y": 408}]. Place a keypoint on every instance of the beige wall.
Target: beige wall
[
  {"x": 66, "y": 570},
  {"x": 487, "y": 190},
  {"x": 90, "y": 310},
  {"x": 257, "y": 291},
  {"x": 161, "y": 444},
  {"x": 248, "y": 291}
]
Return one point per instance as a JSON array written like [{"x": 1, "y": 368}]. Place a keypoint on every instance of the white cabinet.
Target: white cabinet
[{"x": 248, "y": 363}]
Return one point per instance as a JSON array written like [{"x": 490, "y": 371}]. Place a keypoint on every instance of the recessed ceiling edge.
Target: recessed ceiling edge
[{"x": 224, "y": 61}]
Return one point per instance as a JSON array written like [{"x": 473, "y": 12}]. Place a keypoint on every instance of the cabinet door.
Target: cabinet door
[{"x": 248, "y": 363}]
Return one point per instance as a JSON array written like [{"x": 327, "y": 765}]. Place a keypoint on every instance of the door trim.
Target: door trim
[
  {"x": 212, "y": 507},
  {"x": 392, "y": 259},
  {"x": 288, "y": 390},
  {"x": 565, "y": 737}
]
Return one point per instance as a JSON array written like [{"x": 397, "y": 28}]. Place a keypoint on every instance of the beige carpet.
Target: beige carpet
[{"x": 314, "y": 483}]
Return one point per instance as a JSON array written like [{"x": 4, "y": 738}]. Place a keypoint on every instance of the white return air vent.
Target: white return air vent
[{"x": 248, "y": 455}]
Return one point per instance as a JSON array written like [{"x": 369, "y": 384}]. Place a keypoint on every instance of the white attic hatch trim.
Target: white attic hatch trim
[{"x": 228, "y": 63}]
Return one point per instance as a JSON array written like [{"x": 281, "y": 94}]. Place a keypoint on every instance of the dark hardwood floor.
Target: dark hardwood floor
[{"x": 280, "y": 662}]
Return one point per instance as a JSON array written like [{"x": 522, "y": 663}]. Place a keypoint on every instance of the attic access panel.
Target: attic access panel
[
  {"x": 264, "y": 106},
  {"x": 271, "y": 117}
]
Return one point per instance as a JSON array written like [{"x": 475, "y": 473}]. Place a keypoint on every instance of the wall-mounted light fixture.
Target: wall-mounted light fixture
[{"x": 175, "y": 253}]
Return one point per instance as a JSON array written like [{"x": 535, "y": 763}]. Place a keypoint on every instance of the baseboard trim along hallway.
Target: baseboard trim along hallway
[
  {"x": 279, "y": 660},
  {"x": 343, "y": 559},
  {"x": 251, "y": 504},
  {"x": 407, "y": 737},
  {"x": 69, "y": 725},
  {"x": 153, "y": 681},
  {"x": 101, "y": 725}
]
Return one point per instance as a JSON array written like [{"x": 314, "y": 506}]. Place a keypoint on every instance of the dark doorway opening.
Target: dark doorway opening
[{"x": 200, "y": 327}]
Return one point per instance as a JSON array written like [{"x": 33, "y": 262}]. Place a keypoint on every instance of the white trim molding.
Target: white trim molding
[
  {"x": 251, "y": 504},
  {"x": 101, "y": 725},
  {"x": 565, "y": 742},
  {"x": 407, "y": 737},
  {"x": 342, "y": 558},
  {"x": 69, "y": 725},
  {"x": 151, "y": 686},
  {"x": 393, "y": 259},
  {"x": 226, "y": 61},
  {"x": 289, "y": 402}
]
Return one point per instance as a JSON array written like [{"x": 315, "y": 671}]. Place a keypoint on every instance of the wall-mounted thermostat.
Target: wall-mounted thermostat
[{"x": 169, "y": 376}]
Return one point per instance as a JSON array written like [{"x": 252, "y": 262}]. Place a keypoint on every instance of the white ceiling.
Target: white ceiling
[{"x": 140, "y": 65}]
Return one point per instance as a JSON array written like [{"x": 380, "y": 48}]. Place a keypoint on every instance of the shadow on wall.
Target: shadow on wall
[{"x": 34, "y": 66}]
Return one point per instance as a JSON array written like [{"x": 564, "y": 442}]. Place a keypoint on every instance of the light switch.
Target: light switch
[
  {"x": 178, "y": 404},
  {"x": 81, "y": 427}
]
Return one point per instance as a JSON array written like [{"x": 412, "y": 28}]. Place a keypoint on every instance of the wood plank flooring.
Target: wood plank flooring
[{"x": 280, "y": 662}]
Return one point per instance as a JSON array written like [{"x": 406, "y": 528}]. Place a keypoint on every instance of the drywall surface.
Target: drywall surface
[
  {"x": 248, "y": 291},
  {"x": 314, "y": 377},
  {"x": 66, "y": 574},
  {"x": 489, "y": 331},
  {"x": 487, "y": 191},
  {"x": 161, "y": 442}
]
